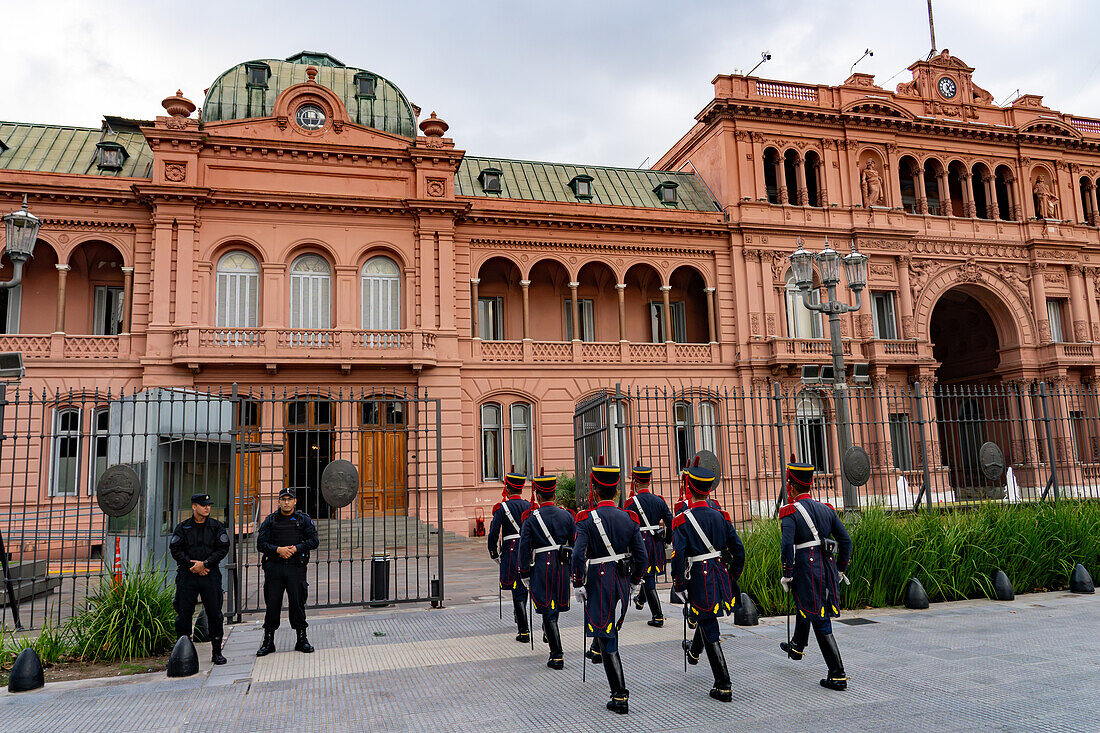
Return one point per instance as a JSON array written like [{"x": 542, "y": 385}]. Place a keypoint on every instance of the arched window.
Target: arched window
[
  {"x": 813, "y": 445},
  {"x": 802, "y": 323},
  {"x": 65, "y": 466},
  {"x": 519, "y": 420},
  {"x": 708, "y": 427},
  {"x": 505, "y": 446},
  {"x": 380, "y": 291},
  {"x": 238, "y": 291},
  {"x": 310, "y": 295},
  {"x": 491, "y": 457}
]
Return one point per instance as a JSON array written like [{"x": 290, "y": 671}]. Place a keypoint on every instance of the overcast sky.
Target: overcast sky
[{"x": 597, "y": 82}]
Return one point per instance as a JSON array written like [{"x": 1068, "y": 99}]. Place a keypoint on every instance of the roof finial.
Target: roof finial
[
  {"x": 311, "y": 72},
  {"x": 178, "y": 105},
  {"x": 434, "y": 126}
]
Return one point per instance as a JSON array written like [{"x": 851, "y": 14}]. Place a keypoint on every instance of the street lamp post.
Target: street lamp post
[
  {"x": 855, "y": 271},
  {"x": 20, "y": 234}
]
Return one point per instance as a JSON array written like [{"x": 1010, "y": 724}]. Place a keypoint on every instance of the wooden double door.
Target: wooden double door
[{"x": 383, "y": 456}]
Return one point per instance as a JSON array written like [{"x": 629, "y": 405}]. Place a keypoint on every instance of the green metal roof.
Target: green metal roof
[
  {"x": 230, "y": 98},
  {"x": 58, "y": 149},
  {"x": 533, "y": 181}
]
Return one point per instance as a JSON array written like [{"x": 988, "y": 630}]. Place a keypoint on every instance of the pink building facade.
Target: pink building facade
[{"x": 310, "y": 229}]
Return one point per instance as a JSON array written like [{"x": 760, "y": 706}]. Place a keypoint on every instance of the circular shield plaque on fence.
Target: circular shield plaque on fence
[
  {"x": 857, "y": 465},
  {"x": 991, "y": 460},
  {"x": 339, "y": 483},
  {"x": 118, "y": 490},
  {"x": 707, "y": 459}
]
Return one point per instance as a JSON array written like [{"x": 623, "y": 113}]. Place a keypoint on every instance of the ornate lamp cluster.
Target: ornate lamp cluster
[{"x": 20, "y": 232}]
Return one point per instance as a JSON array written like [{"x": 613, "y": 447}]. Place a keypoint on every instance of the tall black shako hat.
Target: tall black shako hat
[
  {"x": 514, "y": 481},
  {"x": 800, "y": 476},
  {"x": 642, "y": 475},
  {"x": 700, "y": 480},
  {"x": 546, "y": 484}
]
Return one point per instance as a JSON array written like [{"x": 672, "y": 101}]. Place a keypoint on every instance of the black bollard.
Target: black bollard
[
  {"x": 202, "y": 628},
  {"x": 26, "y": 673},
  {"x": 1080, "y": 581},
  {"x": 745, "y": 614},
  {"x": 915, "y": 595},
  {"x": 183, "y": 661},
  {"x": 1002, "y": 587}
]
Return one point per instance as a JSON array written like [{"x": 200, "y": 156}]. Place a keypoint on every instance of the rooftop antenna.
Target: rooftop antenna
[
  {"x": 1012, "y": 97},
  {"x": 642, "y": 164},
  {"x": 866, "y": 52},
  {"x": 931, "y": 31},
  {"x": 765, "y": 56}
]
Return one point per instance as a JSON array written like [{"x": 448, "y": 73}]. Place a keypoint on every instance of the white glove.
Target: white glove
[
  {"x": 496, "y": 559},
  {"x": 581, "y": 593},
  {"x": 844, "y": 579},
  {"x": 633, "y": 591},
  {"x": 786, "y": 583}
]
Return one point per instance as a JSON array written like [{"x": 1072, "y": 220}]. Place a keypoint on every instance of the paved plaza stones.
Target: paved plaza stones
[{"x": 1026, "y": 665}]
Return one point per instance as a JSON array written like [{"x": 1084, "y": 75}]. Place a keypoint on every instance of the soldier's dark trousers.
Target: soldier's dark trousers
[
  {"x": 291, "y": 579},
  {"x": 208, "y": 588}
]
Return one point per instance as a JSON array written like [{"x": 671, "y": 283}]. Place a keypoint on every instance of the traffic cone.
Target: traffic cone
[{"x": 118, "y": 560}]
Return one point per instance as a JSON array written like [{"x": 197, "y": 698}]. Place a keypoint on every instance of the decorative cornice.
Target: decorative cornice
[
  {"x": 543, "y": 221},
  {"x": 494, "y": 243},
  {"x": 55, "y": 224}
]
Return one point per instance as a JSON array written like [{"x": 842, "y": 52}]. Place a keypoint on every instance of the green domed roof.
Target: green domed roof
[{"x": 232, "y": 97}]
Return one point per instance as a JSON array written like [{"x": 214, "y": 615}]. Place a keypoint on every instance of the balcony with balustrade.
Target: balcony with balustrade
[
  {"x": 73, "y": 347},
  {"x": 528, "y": 351},
  {"x": 788, "y": 351},
  {"x": 196, "y": 347}
]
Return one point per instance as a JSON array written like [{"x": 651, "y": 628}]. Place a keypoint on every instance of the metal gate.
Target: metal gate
[{"x": 380, "y": 537}]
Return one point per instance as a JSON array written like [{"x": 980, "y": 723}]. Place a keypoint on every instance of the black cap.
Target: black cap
[
  {"x": 201, "y": 499},
  {"x": 288, "y": 492}
]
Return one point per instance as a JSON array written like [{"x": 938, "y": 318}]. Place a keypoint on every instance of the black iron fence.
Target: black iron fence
[
  {"x": 952, "y": 446},
  {"x": 379, "y": 525}
]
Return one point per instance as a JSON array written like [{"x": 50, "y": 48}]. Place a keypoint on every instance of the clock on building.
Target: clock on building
[
  {"x": 310, "y": 117},
  {"x": 947, "y": 87}
]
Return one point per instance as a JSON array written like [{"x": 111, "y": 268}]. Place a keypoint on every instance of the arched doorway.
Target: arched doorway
[{"x": 969, "y": 339}]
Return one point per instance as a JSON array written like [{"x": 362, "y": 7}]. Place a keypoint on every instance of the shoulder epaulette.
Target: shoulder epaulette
[
  {"x": 582, "y": 515},
  {"x": 726, "y": 515},
  {"x": 786, "y": 511},
  {"x": 496, "y": 507},
  {"x": 829, "y": 505},
  {"x": 634, "y": 516},
  {"x": 679, "y": 519}
]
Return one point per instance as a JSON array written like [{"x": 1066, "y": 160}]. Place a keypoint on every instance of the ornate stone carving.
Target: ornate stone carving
[
  {"x": 1080, "y": 331},
  {"x": 908, "y": 326},
  {"x": 971, "y": 271},
  {"x": 754, "y": 321},
  {"x": 1055, "y": 278},
  {"x": 771, "y": 324},
  {"x": 1049, "y": 207},
  {"x": 175, "y": 172},
  {"x": 870, "y": 185},
  {"x": 865, "y": 325},
  {"x": 1044, "y": 331},
  {"x": 885, "y": 271},
  {"x": 436, "y": 187}
]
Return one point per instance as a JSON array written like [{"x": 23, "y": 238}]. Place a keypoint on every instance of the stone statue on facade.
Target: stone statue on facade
[
  {"x": 1048, "y": 207},
  {"x": 870, "y": 184}
]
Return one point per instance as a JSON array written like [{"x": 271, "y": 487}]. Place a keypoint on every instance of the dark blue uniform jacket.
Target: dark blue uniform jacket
[
  {"x": 648, "y": 505},
  {"x": 607, "y": 585},
  {"x": 815, "y": 589},
  {"x": 548, "y": 576},
  {"x": 309, "y": 542},
  {"x": 711, "y": 583},
  {"x": 504, "y": 531}
]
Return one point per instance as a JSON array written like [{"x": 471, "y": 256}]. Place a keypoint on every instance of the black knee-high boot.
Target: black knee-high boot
[
  {"x": 796, "y": 649},
  {"x": 524, "y": 634},
  {"x": 837, "y": 678},
  {"x": 722, "y": 689},
  {"x": 694, "y": 647},
  {"x": 593, "y": 652},
  {"x": 553, "y": 638},
  {"x": 613, "y": 666},
  {"x": 658, "y": 619}
]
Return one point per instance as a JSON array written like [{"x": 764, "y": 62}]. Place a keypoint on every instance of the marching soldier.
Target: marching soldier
[
  {"x": 815, "y": 551},
  {"x": 285, "y": 540},
  {"x": 707, "y": 560},
  {"x": 545, "y": 549},
  {"x": 677, "y": 510},
  {"x": 198, "y": 544},
  {"x": 656, "y": 522},
  {"x": 504, "y": 534},
  {"x": 608, "y": 558}
]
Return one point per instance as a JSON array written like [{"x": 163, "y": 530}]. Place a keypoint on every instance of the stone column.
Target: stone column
[
  {"x": 620, "y": 291},
  {"x": 668, "y": 312},
  {"x": 575, "y": 310},
  {"x": 968, "y": 194},
  {"x": 184, "y": 289},
  {"x": 1094, "y": 217},
  {"x": 526, "y": 284},
  {"x": 475, "y": 329},
  {"x": 922, "y": 195},
  {"x": 800, "y": 179},
  {"x": 1090, "y": 300},
  {"x": 991, "y": 209},
  {"x": 768, "y": 286},
  {"x": 1078, "y": 307},
  {"x": 1039, "y": 301},
  {"x": 710, "y": 315},
  {"x": 127, "y": 297},
  {"x": 945, "y": 194},
  {"x": 905, "y": 298},
  {"x": 781, "y": 180},
  {"x": 62, "y": 275},
  {"x": 1013, "y": 201}
]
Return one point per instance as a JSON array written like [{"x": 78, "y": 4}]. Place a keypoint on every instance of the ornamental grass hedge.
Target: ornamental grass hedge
[{"x": 954, "y": 553}]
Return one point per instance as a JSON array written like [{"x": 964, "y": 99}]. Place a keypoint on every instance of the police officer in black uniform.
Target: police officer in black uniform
[
  {"x": 285, "y": 539},
  {"x": 198, "y": 544}
]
